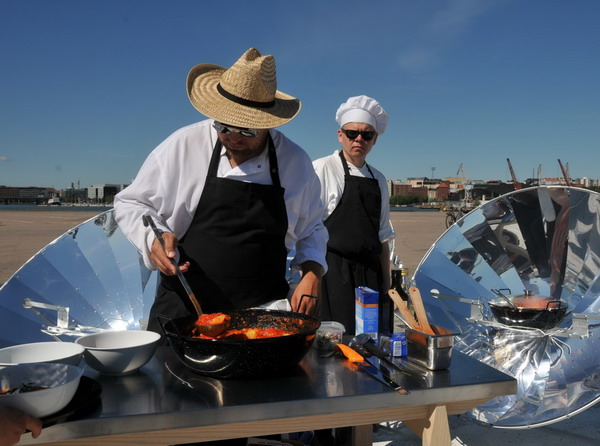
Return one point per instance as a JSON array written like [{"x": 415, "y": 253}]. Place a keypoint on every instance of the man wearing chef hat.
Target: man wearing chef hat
[
  {"x": 356, "y": 214},
  {"x": 231, "y": 196}
]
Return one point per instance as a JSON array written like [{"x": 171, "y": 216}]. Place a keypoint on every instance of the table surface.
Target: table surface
[{"x": 165, "y": 400}]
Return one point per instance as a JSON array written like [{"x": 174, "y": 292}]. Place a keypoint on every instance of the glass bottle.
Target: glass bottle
[
  {"x": 400, "y": 283},
  {"x": 386, "y": 313}
]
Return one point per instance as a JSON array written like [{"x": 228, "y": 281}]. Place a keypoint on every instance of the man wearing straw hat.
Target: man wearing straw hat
[
  {"x": 232, "y": 197},
  {"x": 356, "y": 214}
]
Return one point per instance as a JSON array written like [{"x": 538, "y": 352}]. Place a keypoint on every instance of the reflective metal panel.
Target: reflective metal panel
[
  {"x": 92, "y": 273},
  {"x": 544, "y": 241}
]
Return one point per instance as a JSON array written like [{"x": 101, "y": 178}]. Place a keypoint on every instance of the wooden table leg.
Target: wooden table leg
[
  {"x": 362, "y": 435},
  {"x": 433, "y": 430}
]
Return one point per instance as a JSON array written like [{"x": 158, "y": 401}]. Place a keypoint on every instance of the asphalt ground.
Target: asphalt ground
[{"x": 24, "y": 233}]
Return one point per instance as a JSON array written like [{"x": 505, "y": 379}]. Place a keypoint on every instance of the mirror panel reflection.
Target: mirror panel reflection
[
  {"x": 93, "y": 271},
  {"x": 525, "y": 269}
]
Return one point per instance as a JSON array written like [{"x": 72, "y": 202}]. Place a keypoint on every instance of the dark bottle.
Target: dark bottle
[
  {"x": 386, "y": 304},
  {"x": 386, "y": 313},
  {"x": 400, "y": 284}
]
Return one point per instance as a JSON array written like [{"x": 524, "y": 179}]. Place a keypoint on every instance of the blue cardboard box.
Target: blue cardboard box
[{"x": 367, "y": 311}]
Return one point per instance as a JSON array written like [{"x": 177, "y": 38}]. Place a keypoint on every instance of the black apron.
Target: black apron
[
  {"x": 353, "y": 249},
  {"x": 235, "y": 246}
]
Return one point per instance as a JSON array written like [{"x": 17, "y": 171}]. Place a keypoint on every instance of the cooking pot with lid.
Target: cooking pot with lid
[
  {"x": 248, "y": 358},
  {"x": 526, "y": 310}
]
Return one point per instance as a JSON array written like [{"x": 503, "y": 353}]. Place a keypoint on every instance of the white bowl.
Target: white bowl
[
  {"x": 61, "y": 381},
  {"x": 59, "y": 352},
  {"x": 118, "y": 352}
]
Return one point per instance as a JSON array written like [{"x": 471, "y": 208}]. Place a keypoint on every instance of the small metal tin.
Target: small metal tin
[{"x": 430, "y": 351}]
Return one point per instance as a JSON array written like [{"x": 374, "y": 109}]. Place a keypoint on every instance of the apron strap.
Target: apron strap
[{"x": 347, "y": 169}]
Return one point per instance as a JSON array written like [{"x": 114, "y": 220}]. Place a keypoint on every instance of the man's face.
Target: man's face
[
  {"x": 242, "y": 146},
  {"x": 356, "y": 149}
]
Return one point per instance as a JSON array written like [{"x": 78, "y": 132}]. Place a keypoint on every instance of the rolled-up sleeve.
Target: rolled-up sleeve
[
  {"x": 142, "y": 197},
  {"x": 167, "y": 187}
]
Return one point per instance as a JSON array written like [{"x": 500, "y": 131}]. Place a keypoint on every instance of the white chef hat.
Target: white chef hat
[{"x": 362, "y": 109}]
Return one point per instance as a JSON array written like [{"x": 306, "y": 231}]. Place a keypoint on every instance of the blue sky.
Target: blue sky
[{"x": 89, "y": 88}]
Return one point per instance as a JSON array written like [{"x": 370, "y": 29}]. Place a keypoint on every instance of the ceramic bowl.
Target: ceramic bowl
[
  {"x": 118, "y": 352},
  {"x": 59, "y": 383},
  {"x": 58, "y": 352}
]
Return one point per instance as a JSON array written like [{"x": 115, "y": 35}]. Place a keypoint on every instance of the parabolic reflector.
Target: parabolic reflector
[
  {"x": 543, "y": 241},
  {"x": 93, "y": 272}
]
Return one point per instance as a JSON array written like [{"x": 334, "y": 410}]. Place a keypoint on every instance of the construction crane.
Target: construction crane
[
  {"x": 565, "y": 173},
  {"x": 512, "y": 174},
  {"x": 467, "y": 185}
]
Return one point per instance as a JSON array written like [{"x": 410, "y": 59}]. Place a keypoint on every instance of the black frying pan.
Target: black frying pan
[{"x": 252, "y": 358}]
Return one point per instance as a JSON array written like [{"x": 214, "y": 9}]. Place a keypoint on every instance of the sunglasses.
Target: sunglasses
[
  {"x": 353, "y": 134},
  {"x": 226, "y": 130}
]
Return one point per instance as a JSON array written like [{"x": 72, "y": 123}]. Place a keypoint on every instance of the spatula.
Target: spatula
[
  {"x": 405, "y": 313},
  {"x": 417, "y": 303}
]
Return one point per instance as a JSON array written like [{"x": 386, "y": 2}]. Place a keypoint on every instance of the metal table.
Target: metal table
[{"x": 165, "y": 403}]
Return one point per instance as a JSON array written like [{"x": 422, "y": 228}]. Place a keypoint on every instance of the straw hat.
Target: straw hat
[{"x": 244, "y": 95}]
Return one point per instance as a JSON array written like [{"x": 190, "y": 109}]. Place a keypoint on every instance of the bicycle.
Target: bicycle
[{"x": 452, "y": 215}]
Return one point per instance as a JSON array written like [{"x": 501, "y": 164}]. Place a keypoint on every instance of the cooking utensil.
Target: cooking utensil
[
  {"x": 502, "y": 296},
  {"x": 405, "y": 314},
  {"x": 356, "y": 358},
  {"x": 229, "y": 358},
  {"x": 430, "y": 351},
  {"x": 529, "y": 311},
  {"x": 213, "y": 329},
  {"x": 417, "y": 302}
]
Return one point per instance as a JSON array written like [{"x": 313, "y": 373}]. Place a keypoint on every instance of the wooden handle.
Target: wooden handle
[
  {"x": 417, "y": 302},
  {"x": 407, "y": 316}
]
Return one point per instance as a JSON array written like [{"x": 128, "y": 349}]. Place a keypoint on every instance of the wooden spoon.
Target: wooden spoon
[
  {"x": 405, "y": 313},
  {"x": 417, "y": 302}
]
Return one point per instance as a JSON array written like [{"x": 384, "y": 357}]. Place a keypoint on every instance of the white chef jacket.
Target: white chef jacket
[
  {"x": 171, "y": 180},
  {"x": 330, "y": 171}
]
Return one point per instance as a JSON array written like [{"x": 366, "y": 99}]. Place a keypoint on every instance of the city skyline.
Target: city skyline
[
  {"x": 88, "y": 91},
  {"x": 457, "y": 179}
]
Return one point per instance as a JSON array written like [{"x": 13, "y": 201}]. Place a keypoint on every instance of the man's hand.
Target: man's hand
[
  {"x": 163, "y": 258},
  {"x": 14, "y": 423},
  {"x": 310, "y": 284}
]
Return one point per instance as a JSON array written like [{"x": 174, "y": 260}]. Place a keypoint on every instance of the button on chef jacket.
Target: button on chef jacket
[{"x": 171, "y": 181}]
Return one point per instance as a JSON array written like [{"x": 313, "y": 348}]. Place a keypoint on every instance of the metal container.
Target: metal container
[
  {"x": 430, "y": 351},
  {"x": 526, "y": 310}
]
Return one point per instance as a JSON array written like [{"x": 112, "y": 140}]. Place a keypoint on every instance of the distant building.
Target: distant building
[
  {"x": 25, "y": 195},
  {"x": 73, "y": 195},
  {"x": 104, "y": 193},
  {"x": 442, "y": 192},
  {"x": 407, "y": 189}
]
